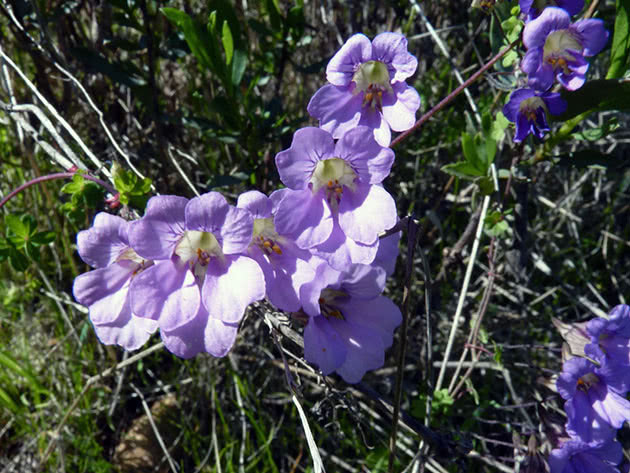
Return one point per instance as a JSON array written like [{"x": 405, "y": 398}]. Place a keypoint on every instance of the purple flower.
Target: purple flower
[
  {"x": 202, "y": 282},
  {"x": 576, "y": 456},
  {"x": 286, "y": 267},
  {"x": 595, "y": 404},
  {"x": 528, "y": 109},
  {"x": 334, "y": 204},
  {"x": 367, "y": 87},
  {"x": 350, "y": 324},
  {"x": 532, "y": 8},
  {"x": 105, "y": 290},
  {"x": 610, "y": 342},
  {"x": 556, "y": 48}
]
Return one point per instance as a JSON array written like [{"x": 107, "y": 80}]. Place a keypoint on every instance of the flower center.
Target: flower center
[
  {"x": 266, "y": 237},
  {"x": 328, "y": 300},
  {"x": 197, "y": 249},
  {"x": 556, "y": 50},
  {"x": 334, "y": 174},
  {"x": 530, "y": 106},
  {"x": 587, "y": 381},
  {"x": 372, "y": 78}
]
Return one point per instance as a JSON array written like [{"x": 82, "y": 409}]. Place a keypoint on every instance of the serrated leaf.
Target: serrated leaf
[
  {"x": 228, "y": 42},
  {"x": 125, "y": 181},
  {"x": 620, "y": 49},
  {"x": 76, "y": 185}
]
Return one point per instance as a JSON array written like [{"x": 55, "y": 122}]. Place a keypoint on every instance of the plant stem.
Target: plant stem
[
  {"x": 449, "y": 98},
  {"x": 52, "y": 177}
]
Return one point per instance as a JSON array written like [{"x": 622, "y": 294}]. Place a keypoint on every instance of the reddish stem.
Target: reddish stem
[
  {"x": 52, "y": 177},
  {"x": 449, "y": 98}
]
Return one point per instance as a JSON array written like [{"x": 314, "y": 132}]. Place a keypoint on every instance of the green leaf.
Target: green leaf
[
  {"x": 16, "y": 226},
  {"x": 621, "y": 41},
  {"x": 469, "y": 149},
  {"x": 597, "y": 133},
  {"x": 275, "y": 17},
  {"x": 43, "y": 238},
  {"x": 124, "y": 180},
  {"x": 7, "y": 401},
  {"x": 239, "y": 64},
  {"x": 12, "y": 365},
  {"x": 594, "y": 96},
  {"x": 76, "y": 185},
  {"x": 201, "y": 42},
  {"x": 228, "y": 43},
  {"x": 18, "y": 261},
  {"x": 463, "y": 170}
]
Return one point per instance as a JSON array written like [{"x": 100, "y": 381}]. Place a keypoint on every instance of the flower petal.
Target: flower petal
[
  {"x": 391, "y": 49},
  {"x": 343, "y": 65},
  {"x": 323, "y": 346},
  {"x": 536, "y": 31},
  {"x": 231, "y": 286},
  {"x": 380, "y": 315},
  {"x": 340, "y": 251},
  {"x": 364, "y": 350},
  {"x": 104, "y": 290},
  {"x": 297, "y": 164},
  {"x": 365, "y": 213},
  {"x": 156, "y": 235},
  {"x": 374, "y": 119},
  {"x": 399, "y": 109},
  {"x": 304, "y": 217},
  {"x": 337, "y": 109},
  {"x": 592, "y": 34},
  {"x": 102, "y": 244},
  {"x": 128, "y": 331},
  {"x": 257, "y": 203},
  {"x": 371, "y": 161},
  {"x": 166, "y": 292}
]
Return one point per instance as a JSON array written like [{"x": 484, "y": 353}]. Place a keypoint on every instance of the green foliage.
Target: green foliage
[
  {"x": 84, "y": 196},
  {"x": 620, "y": 49},
  {"x": 496, "y": 225},
  {"x": 22, "y": 241},
  {"x": 479, "y": 152},
  {"x": 133, "y": 190}
]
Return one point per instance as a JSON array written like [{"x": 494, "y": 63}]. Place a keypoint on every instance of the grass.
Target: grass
[{"x": 68, "y": 403}]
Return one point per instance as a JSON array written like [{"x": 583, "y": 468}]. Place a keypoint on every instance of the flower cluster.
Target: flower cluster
[
  {"x": 556, "y": 50},
  {"x": 594, "y": 390},
  {"x": 191, "y": 267}
]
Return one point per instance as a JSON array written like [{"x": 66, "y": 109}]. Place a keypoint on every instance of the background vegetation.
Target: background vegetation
[{"x": 183, "y": 97}]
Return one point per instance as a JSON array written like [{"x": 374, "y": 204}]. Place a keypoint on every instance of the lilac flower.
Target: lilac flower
[
  {"x": 350, "y": 324},
  {"x": 595, "y": 403},
  {"x": 532, "y": 8},
  {"x": 367, "y": 87},
  {"x": 286, "y": 267},
  {"x": 105, "y": 290},
  {"x": 528, "y": 109},
  {"x": 556, "y": 48},
  {"x": 334, "y": 204},
  {"x": 576, "y": 456},
  {"x": 610, "y": 342},
  {"x": 201, "y": 282}
]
